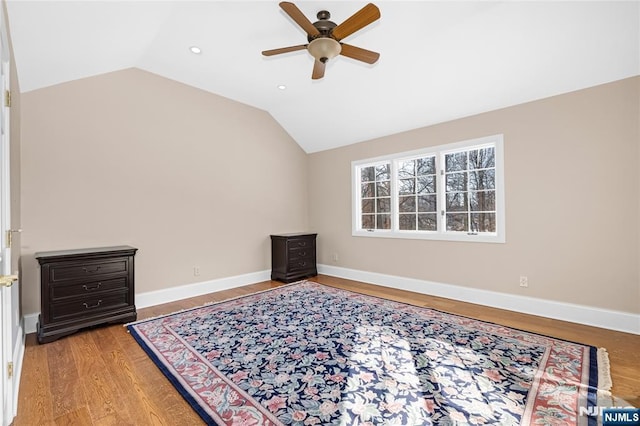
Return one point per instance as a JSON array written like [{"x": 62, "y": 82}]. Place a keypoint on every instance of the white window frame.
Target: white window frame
[{"x": 439, "y": 151}]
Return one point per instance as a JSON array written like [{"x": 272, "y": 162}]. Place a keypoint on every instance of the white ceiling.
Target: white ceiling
[{"x": 440, "y": 60}]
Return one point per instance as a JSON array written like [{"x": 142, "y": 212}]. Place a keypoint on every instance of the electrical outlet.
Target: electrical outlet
[
  {"x": 334, "y": 257},
  {"x": 524, "y": 281},
  {"x": 196, "y": 271}
]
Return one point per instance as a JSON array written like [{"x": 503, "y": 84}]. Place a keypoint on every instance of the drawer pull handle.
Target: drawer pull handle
[
  {"x": 303, "y": 254},
  {"x": 95, "y": 287},
  {"x": 91, "y": 271},
  {"x": 92, "y": 306},
  {"x": 302, "y": 244}
]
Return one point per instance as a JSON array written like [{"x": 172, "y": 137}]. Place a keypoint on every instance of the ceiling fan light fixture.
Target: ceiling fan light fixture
[{"x": 324, "y": 48}]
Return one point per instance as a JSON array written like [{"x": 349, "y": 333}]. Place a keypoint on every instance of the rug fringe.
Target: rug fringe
[{"x": 604, "y": 370}]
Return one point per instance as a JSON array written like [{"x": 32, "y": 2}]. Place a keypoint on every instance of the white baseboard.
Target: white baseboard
[
  {"x": 166, "y": 295},
  {"x": 588, "y": 315},
  {"x": 31, "y": 323},
  {"x": 158, "y": 297}
]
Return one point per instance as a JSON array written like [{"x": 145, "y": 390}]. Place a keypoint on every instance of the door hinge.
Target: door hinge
[
  {"x": 10, "y": 370},
  {"x": 7, "y": 98},
  {"x": 9, "y": 236}
]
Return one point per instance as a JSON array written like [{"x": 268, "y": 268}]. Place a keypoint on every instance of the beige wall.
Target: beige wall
[
  {"x": 572, "y": 203},
  {"x": 190, "y": 178}
]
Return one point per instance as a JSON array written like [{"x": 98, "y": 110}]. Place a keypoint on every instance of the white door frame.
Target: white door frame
[{"x": 12, "y": 335}]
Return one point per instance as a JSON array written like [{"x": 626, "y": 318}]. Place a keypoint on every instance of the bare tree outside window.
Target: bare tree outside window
[
  {"x": 417, "y": 199},
  {"x": 375, "y": 193},
  {"x": 470, "y": 191}
]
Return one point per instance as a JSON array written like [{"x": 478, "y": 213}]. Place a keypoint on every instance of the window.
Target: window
[
  {"x": 447, "y": 192},
  {"x": 376, "y": 196}
]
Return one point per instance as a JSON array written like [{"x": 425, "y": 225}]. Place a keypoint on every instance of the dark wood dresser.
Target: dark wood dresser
[
  {"x": 293, "y": 256},
  {"x": 85, "y": 287}
]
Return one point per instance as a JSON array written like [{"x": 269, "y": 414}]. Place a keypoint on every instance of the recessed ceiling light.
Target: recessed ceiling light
[
  {"x": 195, "y": 49},
  {"x": 282, "y": 87}
]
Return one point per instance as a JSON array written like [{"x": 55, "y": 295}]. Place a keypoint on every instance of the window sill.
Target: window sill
[{"x": 436, "y": 236}]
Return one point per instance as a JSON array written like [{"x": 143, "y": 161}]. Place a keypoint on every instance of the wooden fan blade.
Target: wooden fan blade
[
  {"x": 318, "y": 70},
  {"x": 357, "y": 21},
  {"x": 295, "y": 14},
  {"x": 283, "y": 50},
  {"x": 359, "y": 53}
]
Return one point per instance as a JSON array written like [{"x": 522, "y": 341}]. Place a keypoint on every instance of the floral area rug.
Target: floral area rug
[{"x": 308, "y": 354}]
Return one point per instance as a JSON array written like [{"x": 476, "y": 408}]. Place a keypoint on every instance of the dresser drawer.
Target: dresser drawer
[
  {"x": 300, "y": 243},
  {"x": 301, "y": 265},
  {"x": 87, "y": 288},
  {"x": 302, "y": 253},
  {"x": 82, "y": 307},
  {"x": 87, "y": 269}
]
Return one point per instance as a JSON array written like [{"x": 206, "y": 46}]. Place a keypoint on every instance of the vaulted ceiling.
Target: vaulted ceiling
[{"x": 439, "y": 60}]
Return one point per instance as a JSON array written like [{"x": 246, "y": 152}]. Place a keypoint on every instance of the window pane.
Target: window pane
[
  {"x": 406, "y": 169},
  {"x": 427, "y": 203},
  {"x": 457, "y": 202},
  {"x": 367, "y": 190},
  {"x": 408, "y": 222},
  {"x": 483, "y": 222},
  {"x": 456, "y": 182},
  {"x": 407, "y": 204},
  {"x": 426, "y": 166},
  {"x": 426, "y": 185},
  {"x": 383, "y": 221},
  {"x": 382, "y": 172},
  {"x": 368, "y": 221},
  {"x": 427, "y": 222},
  {"x": 457, "y": 222},
  {"x": 482, "y": 158},
  {"x": 383, "y": 205},
  {"x": 471, "y": 191},
  {"x": 368, "y": 206},
  {"x": 367, "y": 174},
  {"x": 383, "y": 189},
  {"x": 407, "y": 186},
  {"x": 375, "y": 196},
  {"x": 455, "y": 162},
  {"x": 483, "y": 201},
  {"x": 484, "y": 179}
]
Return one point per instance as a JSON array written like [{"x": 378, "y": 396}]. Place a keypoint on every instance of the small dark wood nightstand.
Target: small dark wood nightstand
[
  {"x": 85, "y": 287},
  {"x": 293, "y": 257}
]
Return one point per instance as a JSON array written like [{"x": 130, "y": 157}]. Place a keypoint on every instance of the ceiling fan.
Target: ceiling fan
[{"x": 324, "y": 36}]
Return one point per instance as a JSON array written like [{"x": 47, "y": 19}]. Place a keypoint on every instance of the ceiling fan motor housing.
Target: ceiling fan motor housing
[{"x": 323, "y": 25}]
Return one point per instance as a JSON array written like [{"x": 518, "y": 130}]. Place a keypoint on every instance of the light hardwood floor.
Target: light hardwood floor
[{"x": 102, "y": 377}]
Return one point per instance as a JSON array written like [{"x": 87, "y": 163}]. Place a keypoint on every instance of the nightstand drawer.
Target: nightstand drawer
[
  {"x": 82, "y": 307},
  {"x": 86, "y": 288},
  {"x": 84, "y": 270},
  {"x": 300, "y": 243},
  {"x": 302, "y": 253},
  {"x": 301, "y": 264}
]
